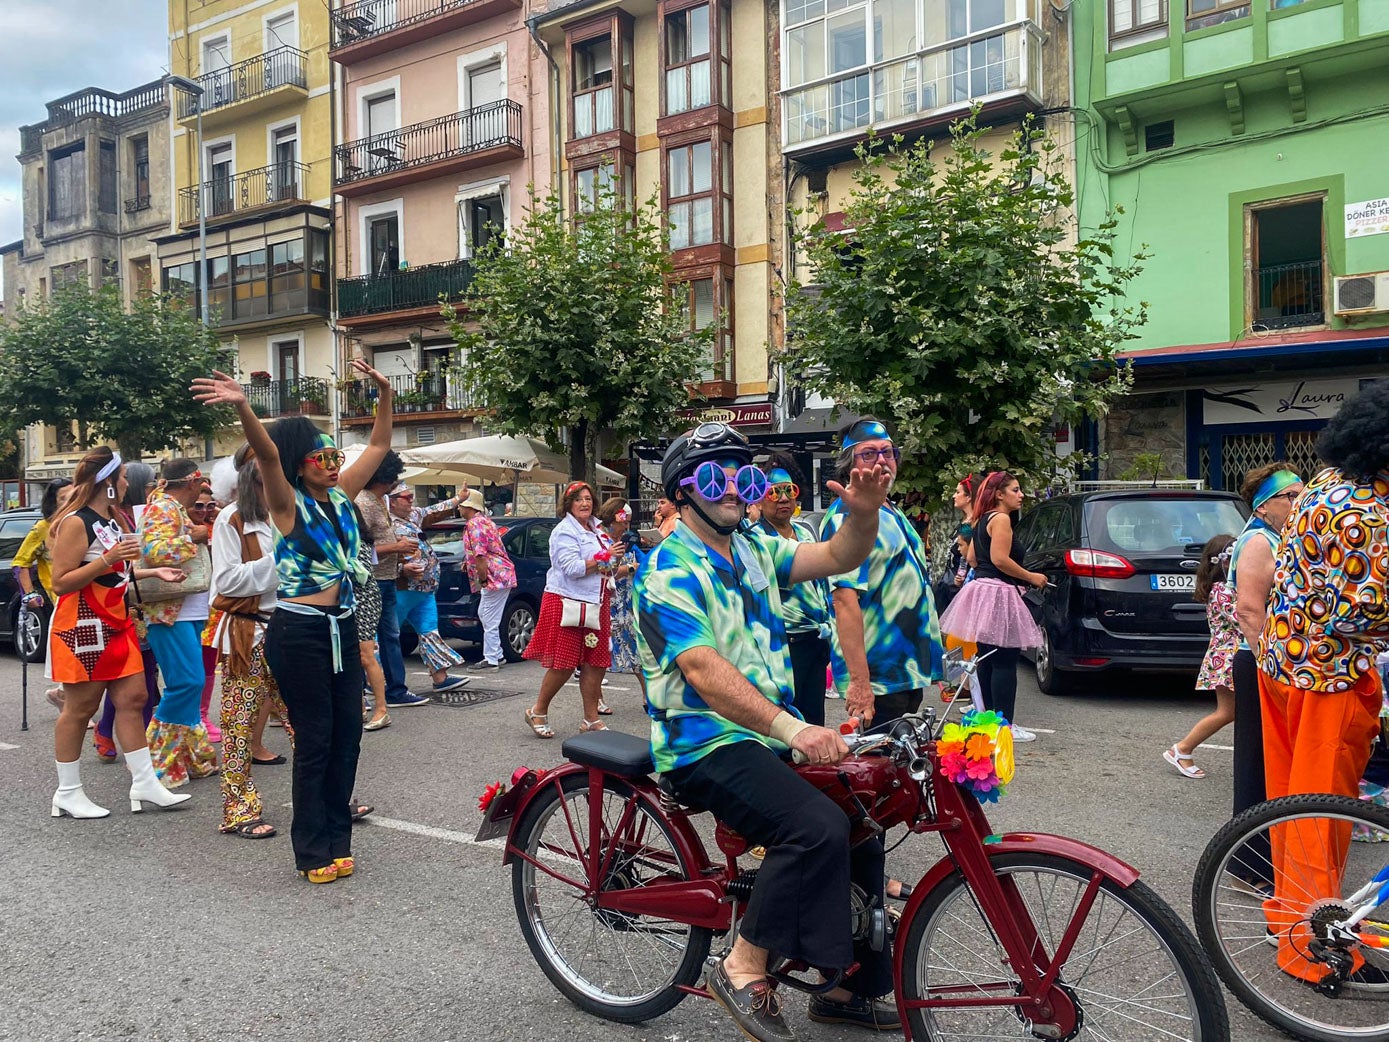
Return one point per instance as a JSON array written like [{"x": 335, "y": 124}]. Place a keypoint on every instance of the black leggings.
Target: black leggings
[
  {"x": 1249, "y": 761},
  {"x": 326, "y": 711},
  {"x": 998, "y": 678},
  {"x": 809, "y": 660}
]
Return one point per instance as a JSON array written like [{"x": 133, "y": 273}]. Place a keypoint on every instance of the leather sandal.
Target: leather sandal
[
  {"x": 591, "y": 725},
  {"x": 327, "y": 874},
  {"x": 604, "y": 709},
  {"x": 539, "y": 723},
  {"x": 256, "y": 829},
  {"x": 345, "y": 866}
]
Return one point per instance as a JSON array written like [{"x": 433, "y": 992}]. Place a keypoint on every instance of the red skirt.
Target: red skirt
[
  {"x": 568, "y": 647},
  {"x": 93, "y": 636}
]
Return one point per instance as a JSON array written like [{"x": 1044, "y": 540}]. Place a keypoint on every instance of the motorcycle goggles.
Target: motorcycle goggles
[
  {"x": 714, "y": 433},
  {"x": 711, "y": 481}
]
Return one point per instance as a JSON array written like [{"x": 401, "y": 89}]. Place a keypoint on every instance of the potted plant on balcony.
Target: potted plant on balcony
[{"x": 260, "y": 378}]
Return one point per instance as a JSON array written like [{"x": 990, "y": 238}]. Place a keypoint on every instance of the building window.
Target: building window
[
  {"x": 110, "y": 272},
  {"x": 383, "y": 239},
  {"x": 140, "y": 171},
  {"x": 590, "y": 182},
  {"x": 141, "y": 281},
  {"x": 67, "y": 183},
  {"x": 65, "y": 275},
  {"x": 601, "y": 91},
  {"x": 1137, "y": 17},
  {"x": 219, "y": 294},
  {"x": 698, "y": 186},
  {"x": 380, "y": 120},
  {"x": 481, "y": 220},
  {"x": 1286, "y": 247},
  {"x": 248, "y": 284},
  {"x": 106, "y": 178},
  {"x": 179, "y": 282},
  {"x": 219, "y": 186},
  {"x": 288, "y": 280},
  {"x": 696, "y": 75},
  {"x": 706, "y": 301},
  {"x": 245, "y": 287},
  {"x": 1201, "y": 14}
]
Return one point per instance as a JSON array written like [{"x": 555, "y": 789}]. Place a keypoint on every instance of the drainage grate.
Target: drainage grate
[{"x": 467, "y": 698}]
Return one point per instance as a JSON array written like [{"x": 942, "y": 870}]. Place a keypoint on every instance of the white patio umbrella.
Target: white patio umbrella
[
  {"x": 411, "y": 475},
  {"x": 501, "y": 458}
]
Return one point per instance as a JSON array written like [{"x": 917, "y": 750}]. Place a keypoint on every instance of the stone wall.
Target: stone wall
[{"x": 1143, "y": 423}]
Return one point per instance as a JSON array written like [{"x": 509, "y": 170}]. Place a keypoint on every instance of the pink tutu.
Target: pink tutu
[{"x": 991, "y": 611}]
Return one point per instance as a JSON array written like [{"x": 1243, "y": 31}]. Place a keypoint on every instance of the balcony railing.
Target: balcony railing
[
  {"x": 401, "y": 290},
  {"x": 137, "y": 203},
  {"x": 494, "y": 125},
  {"x": 353, "y": 23},
  {"x": 281, "y": 67},
  {"x": 306, "y": 396},
  {"x": 93, "y": 101},
  {"x": 1289, "y": 295},
  {"x": 422, "y": 392},
  {"x": 226, "y": 196},
  {"x": 1004, "y": 60}
]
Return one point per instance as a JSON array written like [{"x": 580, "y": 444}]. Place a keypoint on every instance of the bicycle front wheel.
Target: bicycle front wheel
[
  {"x": 1133, "y": 973},
  {"x": 1273, "y": 949}
]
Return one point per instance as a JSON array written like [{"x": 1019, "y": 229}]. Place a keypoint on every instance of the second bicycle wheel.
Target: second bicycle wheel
[
  {"x": 1272, "y": 949},
  {"x": 1134, "y": 972}
]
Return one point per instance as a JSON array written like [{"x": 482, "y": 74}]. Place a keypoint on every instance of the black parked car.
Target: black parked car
[
  {"x": 1124, "y": 568},
  {"x": 527, "y": 540},
  {"x": 29, "y": 644}
]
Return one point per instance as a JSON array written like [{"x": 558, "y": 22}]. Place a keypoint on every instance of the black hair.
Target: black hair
[
  {"x": 786, "y": 462},
  {"x": 176, "y": 470},
  {"x": 139, "y": 477},
  {"x": 294, "y": 437},
  {"x": 365, "y": 529},
  {"x": 1356, "y": 440},
  {"x": 392, "y": 466},
  {"x": 48, "y": 506}
]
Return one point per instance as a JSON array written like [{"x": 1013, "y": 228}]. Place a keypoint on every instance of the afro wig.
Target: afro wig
[{"x": 1356, "y": 441}]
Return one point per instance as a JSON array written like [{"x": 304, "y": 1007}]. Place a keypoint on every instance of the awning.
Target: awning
[{"x": 1273, "y": 353}]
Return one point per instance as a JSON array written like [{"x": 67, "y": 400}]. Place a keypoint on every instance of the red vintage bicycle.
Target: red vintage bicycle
[{"x": 1023, "y": 935}]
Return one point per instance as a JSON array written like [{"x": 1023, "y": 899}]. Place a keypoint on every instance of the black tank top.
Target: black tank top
[{"x": 984, "y": 567}]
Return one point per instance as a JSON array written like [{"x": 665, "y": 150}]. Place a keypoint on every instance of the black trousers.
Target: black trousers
[
  {"x": 1249, "y": 758},
  {"x": 810, "y": 657},
  {"x": 799, "y": 907},
  {"x": 326, "y": 711},
  {"x": 896, "y": 703},
  {"x": 998, "y": 679}
]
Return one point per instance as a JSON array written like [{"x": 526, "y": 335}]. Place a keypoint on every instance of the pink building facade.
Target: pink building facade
[{"x": 443, "y": 123}]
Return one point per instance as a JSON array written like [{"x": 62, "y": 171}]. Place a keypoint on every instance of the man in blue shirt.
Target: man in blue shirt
[{"x": 719, "y": 691}]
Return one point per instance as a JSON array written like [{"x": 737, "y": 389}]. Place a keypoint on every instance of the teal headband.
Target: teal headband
[
  {"x": 779, "y": 476},
  {"x": 1275, "y": 483},
  {"x": 323, "y": 441},
  {"x": 865, "y": 430}
]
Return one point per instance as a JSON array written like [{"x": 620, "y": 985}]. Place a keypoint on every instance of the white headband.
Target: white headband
[{"x": 110, "y": 468}]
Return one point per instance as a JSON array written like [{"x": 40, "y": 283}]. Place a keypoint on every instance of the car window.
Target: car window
[
  {"x": 538, "y": 540},
  {"x": 12, "y": 533},
  {"x": 446, "y": 540},
  {"x": 1151, "y": 525},
  {"x": 1039, "y": 535},
  {"x": 1065, "y": 535},
  {"x": 514, "y": 540}
]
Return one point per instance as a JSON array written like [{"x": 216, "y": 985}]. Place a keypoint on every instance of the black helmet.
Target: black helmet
[{"x": 708, "y": 441}]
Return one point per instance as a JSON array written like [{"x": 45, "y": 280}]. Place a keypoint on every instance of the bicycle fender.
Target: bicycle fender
[{"x": 1112, "y": 868}]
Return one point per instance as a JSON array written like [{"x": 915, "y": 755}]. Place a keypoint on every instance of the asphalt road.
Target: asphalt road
[{"x": 154, "y": 926}]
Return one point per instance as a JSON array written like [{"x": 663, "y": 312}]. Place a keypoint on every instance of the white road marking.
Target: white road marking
[
  {"x": 431, "y": 831},
  {"x": 7, "y": 745},
  {"x": 606, "y": 687},
  {"x": 1041, "y": 730},
  {"x": 1223, "y": 748}
]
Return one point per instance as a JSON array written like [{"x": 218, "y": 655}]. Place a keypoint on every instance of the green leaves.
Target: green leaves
[
  {"x": 960, "y": 309},
  {"x": 81, "y": 357}
]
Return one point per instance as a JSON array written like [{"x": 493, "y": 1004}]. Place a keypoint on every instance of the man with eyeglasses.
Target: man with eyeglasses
[
  {"x": 714, "y": 652},
  {"x": 805, "y": 607},
  {"x": 889, "y": 635}
]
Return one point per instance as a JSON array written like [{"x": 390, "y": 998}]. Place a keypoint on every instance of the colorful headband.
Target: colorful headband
[
  {"x": 110, "y": 468},
  {"x": 323, "y": 441},
  {"x": 575, "y": 485},
  {"x": 623, "y": 515},
  {"x": 780, "y": 476},
  {"x": 1275, "y": 483},
  {"x": 865, "y": 430}
]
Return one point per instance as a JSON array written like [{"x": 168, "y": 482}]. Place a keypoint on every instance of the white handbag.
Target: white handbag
[{"x": 579, "y": 614}]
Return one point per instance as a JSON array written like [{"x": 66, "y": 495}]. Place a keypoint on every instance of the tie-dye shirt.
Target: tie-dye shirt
[
  {"x": 805, "y": 606},
  {"x": 1328, "y": 612},
  {"x": 688, "y": 596},
  {"x": 313, "y": 557},
  {"x": 901, "y": 632}
]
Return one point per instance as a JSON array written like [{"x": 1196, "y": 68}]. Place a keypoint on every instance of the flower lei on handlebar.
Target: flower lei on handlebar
[{"x": 978, "y": 754}]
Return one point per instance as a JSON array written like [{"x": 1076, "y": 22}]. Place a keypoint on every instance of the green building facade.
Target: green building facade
[{"x": 1248, "y": 145}]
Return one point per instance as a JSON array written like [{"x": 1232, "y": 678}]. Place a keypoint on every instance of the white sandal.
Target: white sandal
[
  {"x": 539, "y": 723},
  {"x": 1175, "y": 757},
  {"x": 591, "y": 725}
]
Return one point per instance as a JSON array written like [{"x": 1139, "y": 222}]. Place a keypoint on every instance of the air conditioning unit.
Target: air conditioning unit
[{"x": 1366, "y": 294}]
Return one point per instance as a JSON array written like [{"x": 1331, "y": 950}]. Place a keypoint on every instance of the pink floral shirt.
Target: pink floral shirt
[{"x": 481, "y": 539}]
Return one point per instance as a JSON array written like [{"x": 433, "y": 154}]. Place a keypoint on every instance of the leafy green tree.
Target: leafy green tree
[
  {"x": 959, "y": 308},
  {"x": 121, "y": 375},
  {"x": 569, "y": 326}
]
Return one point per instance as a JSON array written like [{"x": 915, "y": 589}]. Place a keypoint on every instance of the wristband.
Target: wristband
[{"x": 785, "y": 727}]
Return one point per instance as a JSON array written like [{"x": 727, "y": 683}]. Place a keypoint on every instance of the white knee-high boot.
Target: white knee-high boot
[
  {"x": 70, "y": 799},
  {"x": 145, "y": 787}
]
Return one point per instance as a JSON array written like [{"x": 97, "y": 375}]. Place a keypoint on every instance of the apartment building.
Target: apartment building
[
  {"x": 95, "y": 184},
  {"x": 443, "y": 123},
  {"x": 251, "y": 159}
]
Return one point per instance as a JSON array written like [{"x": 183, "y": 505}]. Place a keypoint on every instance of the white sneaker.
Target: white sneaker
[{"x": 1022, "y": 734}]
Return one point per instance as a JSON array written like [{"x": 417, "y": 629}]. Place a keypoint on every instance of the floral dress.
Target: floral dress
[
  {"x": 1217, "y": 667},
  {"x": 624, "y": 622}
]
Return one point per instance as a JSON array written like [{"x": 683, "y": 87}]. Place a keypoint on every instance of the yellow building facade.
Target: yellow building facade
[{"x": 251, "y": 157}]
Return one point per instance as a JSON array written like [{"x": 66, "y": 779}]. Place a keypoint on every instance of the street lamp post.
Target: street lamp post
[{"x": 195, "y": 91}]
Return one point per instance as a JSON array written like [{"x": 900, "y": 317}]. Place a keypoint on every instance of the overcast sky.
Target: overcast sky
[{"x": 49, "y": 48}]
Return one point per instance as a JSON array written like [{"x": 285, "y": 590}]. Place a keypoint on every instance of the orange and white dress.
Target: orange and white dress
[{"x": 93, "y": 633}]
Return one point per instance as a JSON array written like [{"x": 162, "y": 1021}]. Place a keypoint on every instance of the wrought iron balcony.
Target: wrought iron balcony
[
  {"x": 1289, "y": 295},
  {"x": 253, "y": 78},
  {"x": 462, "y": 139},
  {"x": 137, "y": 203},
  {"x": 370, "y": 27},
  {"x": 419, "y": 393},
  {"x": 420, "y": 287},
  {"x": 306, "y": 396},
  {"x": 251, "y": 190}
]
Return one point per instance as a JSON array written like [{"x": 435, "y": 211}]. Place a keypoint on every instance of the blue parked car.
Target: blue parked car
[{"x": 527, "y": 540}]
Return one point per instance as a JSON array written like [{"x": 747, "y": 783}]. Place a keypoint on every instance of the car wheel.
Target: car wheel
[
  {"x": 30, "y": 637},
  {"x": 1050, "y": 680},
  {"x": 518, "y": 626}
]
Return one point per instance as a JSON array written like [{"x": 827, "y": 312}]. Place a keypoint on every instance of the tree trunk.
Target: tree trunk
[
  {"x": 84, "y": 435},
  {"x": 578, "y": 450},
  {"x": 130, "y": 448},
  {"x": 591, "y": 460}
]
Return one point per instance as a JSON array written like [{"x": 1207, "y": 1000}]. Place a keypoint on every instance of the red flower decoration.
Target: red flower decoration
[
  {"x": 978, "y": 770},
  {"x": 603, "y": 556},
  {"x": 489, "y": 794}
]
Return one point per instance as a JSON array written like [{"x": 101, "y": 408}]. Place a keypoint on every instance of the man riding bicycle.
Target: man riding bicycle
[{"x": 719, "y": 687}]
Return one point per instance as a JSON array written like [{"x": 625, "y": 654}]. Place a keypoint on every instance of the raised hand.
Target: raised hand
[
  {"x": 867, "y": 490},
  {"x": 361, "y": 366},
  {"x": 218, "y": 389}
]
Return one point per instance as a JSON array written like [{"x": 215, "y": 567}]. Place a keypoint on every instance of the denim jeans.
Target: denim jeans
[{"x": 388, "y": 641}]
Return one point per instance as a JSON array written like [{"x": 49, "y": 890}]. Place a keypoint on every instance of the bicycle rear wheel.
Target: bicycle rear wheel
[
  {"x": 1134, "y": 973},
  {"x": 1248, "y": 935},
  {"x": 618, "y": 966}
]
